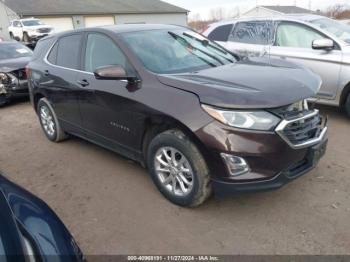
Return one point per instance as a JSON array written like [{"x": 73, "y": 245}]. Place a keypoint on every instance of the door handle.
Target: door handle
[
  {"x": 46, "y": 72},
  {"x": 83, "y": 82}
]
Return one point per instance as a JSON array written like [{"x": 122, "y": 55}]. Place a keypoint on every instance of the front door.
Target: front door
[
  {"x": 106, "y": 105},
  {"x": 294, "y": 43}
]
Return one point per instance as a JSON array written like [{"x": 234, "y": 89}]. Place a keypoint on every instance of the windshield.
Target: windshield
[
  {"x": 14, "y": 50},
  {"x": 178, "y": 51},
  {"x": 32, "y": 22},
  {"x": 340, "y": 30}
]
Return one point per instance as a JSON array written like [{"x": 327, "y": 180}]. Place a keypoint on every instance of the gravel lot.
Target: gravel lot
[{"x": 111, "y": 206}]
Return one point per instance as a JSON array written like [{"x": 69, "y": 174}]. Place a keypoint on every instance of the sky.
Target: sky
[{"x": 202, "y": 7}]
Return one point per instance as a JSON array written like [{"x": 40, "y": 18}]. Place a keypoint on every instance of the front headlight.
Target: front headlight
[
  {"x": 255, "y": 120},
  {"x": 3, "y": 78}
]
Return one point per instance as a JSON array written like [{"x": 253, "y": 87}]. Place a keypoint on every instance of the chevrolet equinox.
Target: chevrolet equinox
[{"x": 200, "y": 118}]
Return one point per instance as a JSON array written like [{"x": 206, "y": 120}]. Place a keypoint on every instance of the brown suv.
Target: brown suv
[{"x": 198, "y": 117}]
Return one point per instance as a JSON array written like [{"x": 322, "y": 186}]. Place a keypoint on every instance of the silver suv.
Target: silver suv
[{"x": 317, "y": 42}]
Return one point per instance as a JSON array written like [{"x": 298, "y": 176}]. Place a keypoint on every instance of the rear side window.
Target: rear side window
[
  {"x": 257, "y": 33},
  {"x": 68, "y": 51},
  {"x": 221, "y": 33}
]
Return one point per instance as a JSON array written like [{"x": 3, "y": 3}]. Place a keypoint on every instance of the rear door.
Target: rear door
[
  {"x": 293, "y": 42},
  {"x": 59, "y": 80},
  {"x": 106, "y": 105},
  {"x": 251, "y": 38}
]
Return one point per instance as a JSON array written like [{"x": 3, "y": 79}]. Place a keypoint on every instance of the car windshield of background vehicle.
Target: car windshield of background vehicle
[
  {"x": 178, "y": 51},
  {"x": 14, "y": 50},
  {"x": 32, "y": 23},
  {"x": 340, "y": 30}
]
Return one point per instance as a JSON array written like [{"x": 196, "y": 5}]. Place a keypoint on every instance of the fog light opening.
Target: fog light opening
[{"x": 236, "y": 166}]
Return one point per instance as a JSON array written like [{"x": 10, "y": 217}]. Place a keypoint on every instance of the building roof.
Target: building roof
[
  {"x": 90, "y": 7},
  {"x": 288, "y": 9}
]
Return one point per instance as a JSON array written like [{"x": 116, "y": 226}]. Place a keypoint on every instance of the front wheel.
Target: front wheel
[
  {"x": 347, "y": 105},
  {"x": 26, "y": 38},
  {"x": 49, "y": 122},
  {"x": 178, "y": 169}
]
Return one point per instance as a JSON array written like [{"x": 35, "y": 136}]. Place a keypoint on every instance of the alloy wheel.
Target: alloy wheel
[
  {"x": 47, "y": 121},
  {"x": 174, "y": 171}
]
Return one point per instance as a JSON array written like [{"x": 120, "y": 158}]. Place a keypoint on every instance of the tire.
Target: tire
[
  {"x": 190, "y": 161},
  {"x": 49, "y": 122},
  {"x": 3, "y": 100},
  {"x": 26, "y": 38},
  {"x": 11, "y": 36},
  {"x": 347, "y": 105}
]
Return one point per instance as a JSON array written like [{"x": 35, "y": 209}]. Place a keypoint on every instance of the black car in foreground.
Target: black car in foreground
[
  {"x": 13, "y": 78},
  {"x": 30, "y": 230},
  {"x": 195, "y": 115}
]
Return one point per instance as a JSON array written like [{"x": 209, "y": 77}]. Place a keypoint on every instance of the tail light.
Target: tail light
[{"x": 28, "y": 71}]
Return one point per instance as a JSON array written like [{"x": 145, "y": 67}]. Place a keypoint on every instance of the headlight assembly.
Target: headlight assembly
[
  {"x": 3, "y": 78},
  {"x": 254, "y": 120}
]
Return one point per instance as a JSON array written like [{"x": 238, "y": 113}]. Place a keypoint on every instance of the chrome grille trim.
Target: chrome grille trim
[{"x": 313, "y": 141}]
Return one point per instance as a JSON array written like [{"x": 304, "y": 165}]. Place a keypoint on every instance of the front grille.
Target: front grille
[
  {"x": 44, "y": 30},
  {"x": 303, "y": 130}
]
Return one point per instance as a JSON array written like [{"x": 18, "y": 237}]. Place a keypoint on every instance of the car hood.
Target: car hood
[
  {"x": 253, "y": 83},
  {"x": 8, "y": 65},
  {"x": 43, "y": 228}
]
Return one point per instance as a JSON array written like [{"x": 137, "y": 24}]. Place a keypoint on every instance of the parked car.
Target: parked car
[
  {"x": 317, "y": 42},
  {"x": 13, "y": 79},
  {"x": 29, "y": 30},
  {"x": 30, "y": 230},
  {"x": 181, "y": 105}
]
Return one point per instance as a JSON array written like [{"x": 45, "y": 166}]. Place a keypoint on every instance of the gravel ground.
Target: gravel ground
[{"x": 111, "y": 206}]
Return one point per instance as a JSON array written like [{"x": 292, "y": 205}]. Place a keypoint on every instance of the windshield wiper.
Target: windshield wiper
[
  {"x": 176, "y": 36},
  {"x": 206, "y": 42}
]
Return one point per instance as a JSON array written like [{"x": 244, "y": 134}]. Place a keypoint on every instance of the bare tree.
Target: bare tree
[{"x": 338, "y": 11}]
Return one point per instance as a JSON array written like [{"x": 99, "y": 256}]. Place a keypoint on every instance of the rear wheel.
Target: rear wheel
[
  {"x": 178, "y": 169},
  {"x": 347, "y": 105},
  {"x": 12, "y": 36},
  {"x": 49, "y": 122}
]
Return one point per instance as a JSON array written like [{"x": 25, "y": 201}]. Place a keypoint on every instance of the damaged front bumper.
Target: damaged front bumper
[{"x": 12, "y": 86}]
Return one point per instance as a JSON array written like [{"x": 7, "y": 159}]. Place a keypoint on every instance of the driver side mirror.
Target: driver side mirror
[
  {"x": 323, "y": 44},
  {"x": 113, "y": 72}
]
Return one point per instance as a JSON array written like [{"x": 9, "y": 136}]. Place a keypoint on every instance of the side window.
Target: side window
[
  {"x": 256, "y": 32},
  {"x": 296, "y": 35},
  {"x": 52, "y": 58},
  {"x": 68, "y": 51},
  {"x": 221, "y": 33},
  {"x": 102, "y": 51}
]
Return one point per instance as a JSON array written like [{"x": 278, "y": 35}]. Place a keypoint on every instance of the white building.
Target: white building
[
  {"x": 261, "y": 11},
  {"x": 71, "y": 14},
  {"x": 6, "y": 15}
]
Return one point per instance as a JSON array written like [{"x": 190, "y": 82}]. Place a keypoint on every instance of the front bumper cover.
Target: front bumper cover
[{"x": 223, "y": 188}]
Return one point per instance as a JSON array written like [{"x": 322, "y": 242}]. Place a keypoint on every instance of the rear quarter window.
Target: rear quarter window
[
  {"x": 221, "y": 33},
  {"x": 42, "y": 48}
]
